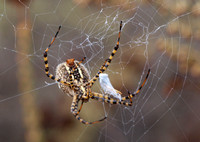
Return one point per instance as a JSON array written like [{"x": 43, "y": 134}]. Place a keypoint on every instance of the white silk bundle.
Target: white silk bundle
[{"x": 107, "y": 86}]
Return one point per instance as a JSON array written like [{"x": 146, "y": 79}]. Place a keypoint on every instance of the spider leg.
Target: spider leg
[
  {"x": 108, "y": 61},
  {"x": 118, "y": 91},
  {"x": 75, "y": 112},
  {"x": 108, "y": 99},
  {"x": 131, "y": 95},
  {"x": 47, "y": 65},
  {"x": 80, "y": 107},
  {"x": 82, "y": 60}
]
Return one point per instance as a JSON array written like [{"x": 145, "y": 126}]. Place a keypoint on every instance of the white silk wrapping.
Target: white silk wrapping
[{"x": 107, "y": 86}]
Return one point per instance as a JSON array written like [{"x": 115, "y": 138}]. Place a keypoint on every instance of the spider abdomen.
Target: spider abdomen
[{"x": 79, "y": 77}]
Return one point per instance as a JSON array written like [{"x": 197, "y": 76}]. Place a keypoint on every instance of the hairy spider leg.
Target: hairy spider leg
[
  {"x": 75, "y": 112},
  {"x": 108, "y": 99},
  {"x": 108, "y": 61},
  {"x": 47, "y": 65}
]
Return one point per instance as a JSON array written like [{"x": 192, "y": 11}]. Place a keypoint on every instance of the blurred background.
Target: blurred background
[{"x": 163, "y": 35}]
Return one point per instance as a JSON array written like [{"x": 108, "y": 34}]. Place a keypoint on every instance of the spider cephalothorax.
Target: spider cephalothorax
[{"x": 73, "y": 79}]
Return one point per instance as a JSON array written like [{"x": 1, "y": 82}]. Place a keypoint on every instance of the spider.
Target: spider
[{"x": 74, "y": 79}]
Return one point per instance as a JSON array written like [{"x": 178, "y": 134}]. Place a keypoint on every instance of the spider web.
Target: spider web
[{"x": 160, "y": 35}]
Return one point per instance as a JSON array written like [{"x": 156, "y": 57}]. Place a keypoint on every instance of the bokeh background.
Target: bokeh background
[{"x": 163, "y": 35}]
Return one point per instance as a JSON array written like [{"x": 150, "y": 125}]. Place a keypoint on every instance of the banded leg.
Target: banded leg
[
  {"x": 131, "y": 95},
  {"x": 80, "y": 107},
  {"x": 79, "y": 63},
  {"x": 108, "y": 61},
  {"x": 47, "y": 65},
  {"x": 108, "y": 99},
  {"x": 75, "y": 112},
  {"x": 82, "y": 60},
  {"x": 72, "y": 72}
]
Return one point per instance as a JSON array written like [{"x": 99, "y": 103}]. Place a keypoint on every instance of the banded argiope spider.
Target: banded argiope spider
[{"x": 73, "y": 78}]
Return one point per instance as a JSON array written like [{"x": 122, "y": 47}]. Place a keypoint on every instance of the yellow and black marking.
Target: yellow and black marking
[
  {"x": 108, "y": 61},
  {"x": 131, "y": 95},
  {"x": 51, "y": 76},
  {"x": 108, "y": 99},
  {"x": 86, "y": 122},
  {"x": 82, "y": 60},
  {"x": 71, "y": 76},
  {"x": 75, "y": 112},
  {"x": 143, "y": 82},
  {"x": 76, "y": 73},
  {"x": 80, "y": 107},
  {"x": 47, "y": 65}
]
